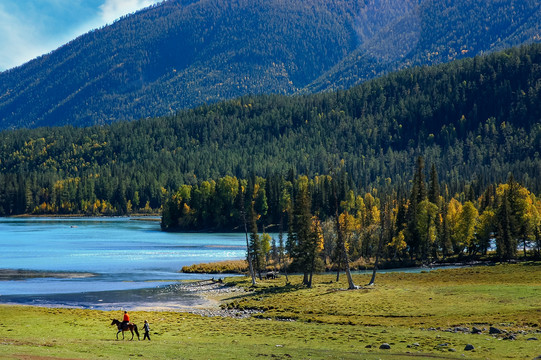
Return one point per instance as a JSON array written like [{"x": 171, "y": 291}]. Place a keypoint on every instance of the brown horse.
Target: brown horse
[{"x": 130, "y": 327}]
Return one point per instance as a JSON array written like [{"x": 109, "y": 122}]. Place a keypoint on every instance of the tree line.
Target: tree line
[{"x": 326, "y": 222}]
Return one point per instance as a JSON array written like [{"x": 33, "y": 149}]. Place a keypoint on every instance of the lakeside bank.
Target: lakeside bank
[{"x": 427, "y": 314}]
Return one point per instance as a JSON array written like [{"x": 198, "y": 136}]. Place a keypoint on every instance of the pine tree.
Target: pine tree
[
  {"x": 256, "y": 249},
  {"x": 341, "y": 229},
  {"x": 418, "y": 194},
  {"x": 302, "y": 236},
  {"x": 434, "y": 186},
  {"x": 242, "y": 209},
  {"x": 284, "y": 207},
  {"x": 313, "y": 248},
  {"x": 505, "y": 244},
  {"x": 537, "y": 237},
  {"x": 444, "y": 236}
]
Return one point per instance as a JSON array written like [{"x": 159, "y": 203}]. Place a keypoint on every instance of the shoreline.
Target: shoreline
[
  {"x": 20, "y": 274},
  {"x": 76, "y": 216},
  {"x": 201, "y": 297}
]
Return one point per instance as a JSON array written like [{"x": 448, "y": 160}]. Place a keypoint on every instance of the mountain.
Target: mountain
[
  {"x": 176, "y": 55},
  {"x": 476, "y": 120},
  {"x": 431, "y": 32},
  {"x": 182, "y": 53}
]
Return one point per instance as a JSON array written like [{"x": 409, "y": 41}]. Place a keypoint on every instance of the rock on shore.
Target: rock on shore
[{"x": 210, "y": 289}]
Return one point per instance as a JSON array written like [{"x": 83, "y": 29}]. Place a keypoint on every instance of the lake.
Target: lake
[
  {"x": 134, "y": 262},
  {"x": 134, "y": 265}
]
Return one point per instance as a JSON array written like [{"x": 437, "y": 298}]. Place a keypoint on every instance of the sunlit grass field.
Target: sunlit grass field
[{"x": 416, "y": 314}]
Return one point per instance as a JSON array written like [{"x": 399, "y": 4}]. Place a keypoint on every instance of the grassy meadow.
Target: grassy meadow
[{"x": 416, "y": 314}]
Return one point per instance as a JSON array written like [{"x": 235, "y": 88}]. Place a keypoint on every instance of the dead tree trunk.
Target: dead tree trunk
[
  {"x": 345, "y": 256},
  {"x": 383, "y": 221}
]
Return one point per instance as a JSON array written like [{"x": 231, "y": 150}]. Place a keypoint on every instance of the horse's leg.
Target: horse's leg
[
  {"x": 117, "y": 334},
  {"x": 131, "y": 334}
]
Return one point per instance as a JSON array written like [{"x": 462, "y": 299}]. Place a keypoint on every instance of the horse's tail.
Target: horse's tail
[{"x": 136, "y": 331}]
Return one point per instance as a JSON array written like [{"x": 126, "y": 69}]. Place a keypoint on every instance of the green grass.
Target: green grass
[{"x": 330, "y": 323}]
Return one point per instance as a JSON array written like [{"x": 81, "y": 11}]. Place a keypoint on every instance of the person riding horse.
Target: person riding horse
[
  {"x": 125, "y": 320},
  {"x": 131, "y": 327}
]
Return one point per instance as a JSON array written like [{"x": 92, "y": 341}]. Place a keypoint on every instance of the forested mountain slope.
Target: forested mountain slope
[
  {"x": 182, "y": 53},
  {"x": 476, "y": 120},
  {"x": 178, "y": 54},
  {"x": 431, "y": 32}
]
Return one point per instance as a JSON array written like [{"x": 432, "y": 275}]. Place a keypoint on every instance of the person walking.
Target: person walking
[{"x": 147, "y": 331}]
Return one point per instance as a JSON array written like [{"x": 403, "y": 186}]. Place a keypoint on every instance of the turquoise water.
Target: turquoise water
[
  {"x": 125, "y": 254},
  {"x": 135, "y": 264}
]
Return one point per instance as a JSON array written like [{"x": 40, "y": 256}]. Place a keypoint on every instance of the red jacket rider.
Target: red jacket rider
[{"x": 125, "y": 320}]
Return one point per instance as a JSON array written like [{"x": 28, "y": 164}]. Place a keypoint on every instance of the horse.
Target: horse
[{"x": 130, "y": 327}]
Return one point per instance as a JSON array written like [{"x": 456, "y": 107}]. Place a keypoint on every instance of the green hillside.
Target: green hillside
[{"x": 476, "y": 120}]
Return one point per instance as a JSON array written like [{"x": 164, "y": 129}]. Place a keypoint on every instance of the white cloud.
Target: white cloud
[
  {"x": 19, "y": 42},
  {"x": 114, "y": 9},
  {"x": 30, "y": 28}
]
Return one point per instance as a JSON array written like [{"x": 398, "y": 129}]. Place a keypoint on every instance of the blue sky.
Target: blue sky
[{"x": 30, "y": 28}]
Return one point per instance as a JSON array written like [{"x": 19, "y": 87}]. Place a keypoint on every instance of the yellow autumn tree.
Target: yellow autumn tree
[
  {"x": 426, "y": 223},
  {"x": 453, "y": 212},
  {"x": 397, "y": 245},
  {"x": 468, "y": 218},
  {"x": 485, "y": 230}
]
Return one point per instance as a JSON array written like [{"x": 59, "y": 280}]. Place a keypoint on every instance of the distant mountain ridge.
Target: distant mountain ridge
[
  {"x": 180, "y": 53},
  {"x": 433, "y": 32}
]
